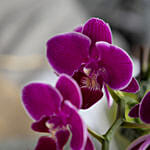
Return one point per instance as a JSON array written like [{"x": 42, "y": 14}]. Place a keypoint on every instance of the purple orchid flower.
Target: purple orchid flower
[
  {"x": 142, "y": 109},
  {"x": 55, "y": 111},
  {"x": 142, "y": 143},
  {"x": 87, "y": 54}
]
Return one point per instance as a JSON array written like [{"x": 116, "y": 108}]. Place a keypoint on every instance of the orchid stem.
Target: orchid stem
[
  {"x": 117, "y": 123},
  {"x": 105, "y": 145},
  {"x": 126, "y": 124},
  {"x": 120, "y": 116},
  {"x": 100, "y": 138}
]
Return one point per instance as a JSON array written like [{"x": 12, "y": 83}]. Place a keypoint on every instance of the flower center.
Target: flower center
[
  {"x": 52, "y": 130},
  {"x": 95, "y": 76},
  {"x": 54, "y": 125},
  {"x": 90, "y": 80}
]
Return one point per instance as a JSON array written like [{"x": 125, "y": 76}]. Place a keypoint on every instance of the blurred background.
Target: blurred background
[{"x": 25, "y": 27}]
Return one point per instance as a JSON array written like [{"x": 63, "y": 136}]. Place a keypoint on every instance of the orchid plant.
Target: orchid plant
[{"x": 87, "y": 64}]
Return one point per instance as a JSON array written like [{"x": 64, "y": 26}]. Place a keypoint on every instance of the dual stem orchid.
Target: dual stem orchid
[
  {"x": 120, "y": 121},
  {"x": 87, "y": 64}
]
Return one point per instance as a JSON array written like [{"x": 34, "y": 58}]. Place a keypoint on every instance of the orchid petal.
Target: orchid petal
[
  {"x": 97, "y": 30},
  {"x": 145, "y": 108},
  {"x": 78, "y": 29},
  {"x": 109, "y": 98},
  {"x": 46, "y": 143},
  {"x": 69, "y": 90},
  {"x": 41, "y": 100},
  {"x": 134, "y": 112},
  {"x": 40, "y": 125},
  {"x": 66, "y": 52},
  {"x": 115, "y": 65},
  {"x": 77, "y": 127},
  {"x": 133, "y": 87},
  {"x": 62, "y": 138},
  {"x": 145, "y": 145},
  {"x": 90, "y": 97},
  {"x": 136, "y": 144},
  {"x": 136, "y": 147},
  {"x": 89, "y": 144}
]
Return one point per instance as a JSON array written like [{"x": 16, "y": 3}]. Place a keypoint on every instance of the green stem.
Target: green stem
[
  {"x": 120, "y": 116},
  {"x": 100, "y": 138},
  {"x": 105, "y": 145},
  {"x": 126, "y": 124},
  {"x": 117, "y": 123},
  {"x": 113, "y": 128}
]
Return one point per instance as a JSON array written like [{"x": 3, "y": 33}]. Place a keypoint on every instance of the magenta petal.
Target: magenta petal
[
  {"x": 136, "y": 147},
  {"x": 89, "y": 144},
  {"x": 115, "y": 65},
  {"x": 77, "y": 127},
  {"x": 133, "y": 87},
  {"x": 109, "y": 98},
  {"x": 97, "y": 30},
  {"x": 90, "y": 97},
  {"x": 66, "y": 52},
  {"x": 40, "y": 125},
  {"x": 145, "y": 108},
  {"x": 69, "y": 90},
  {"x": 134, "y": 112},
  {"x": 145, "y": 145},
  {"x": 46, "y": 143},
  {"x": 78, "y": 29},
  {"x": 62, "y": 138},
  {"x": 41, "y": 100},
  {"x": 136, "y": 144}
]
